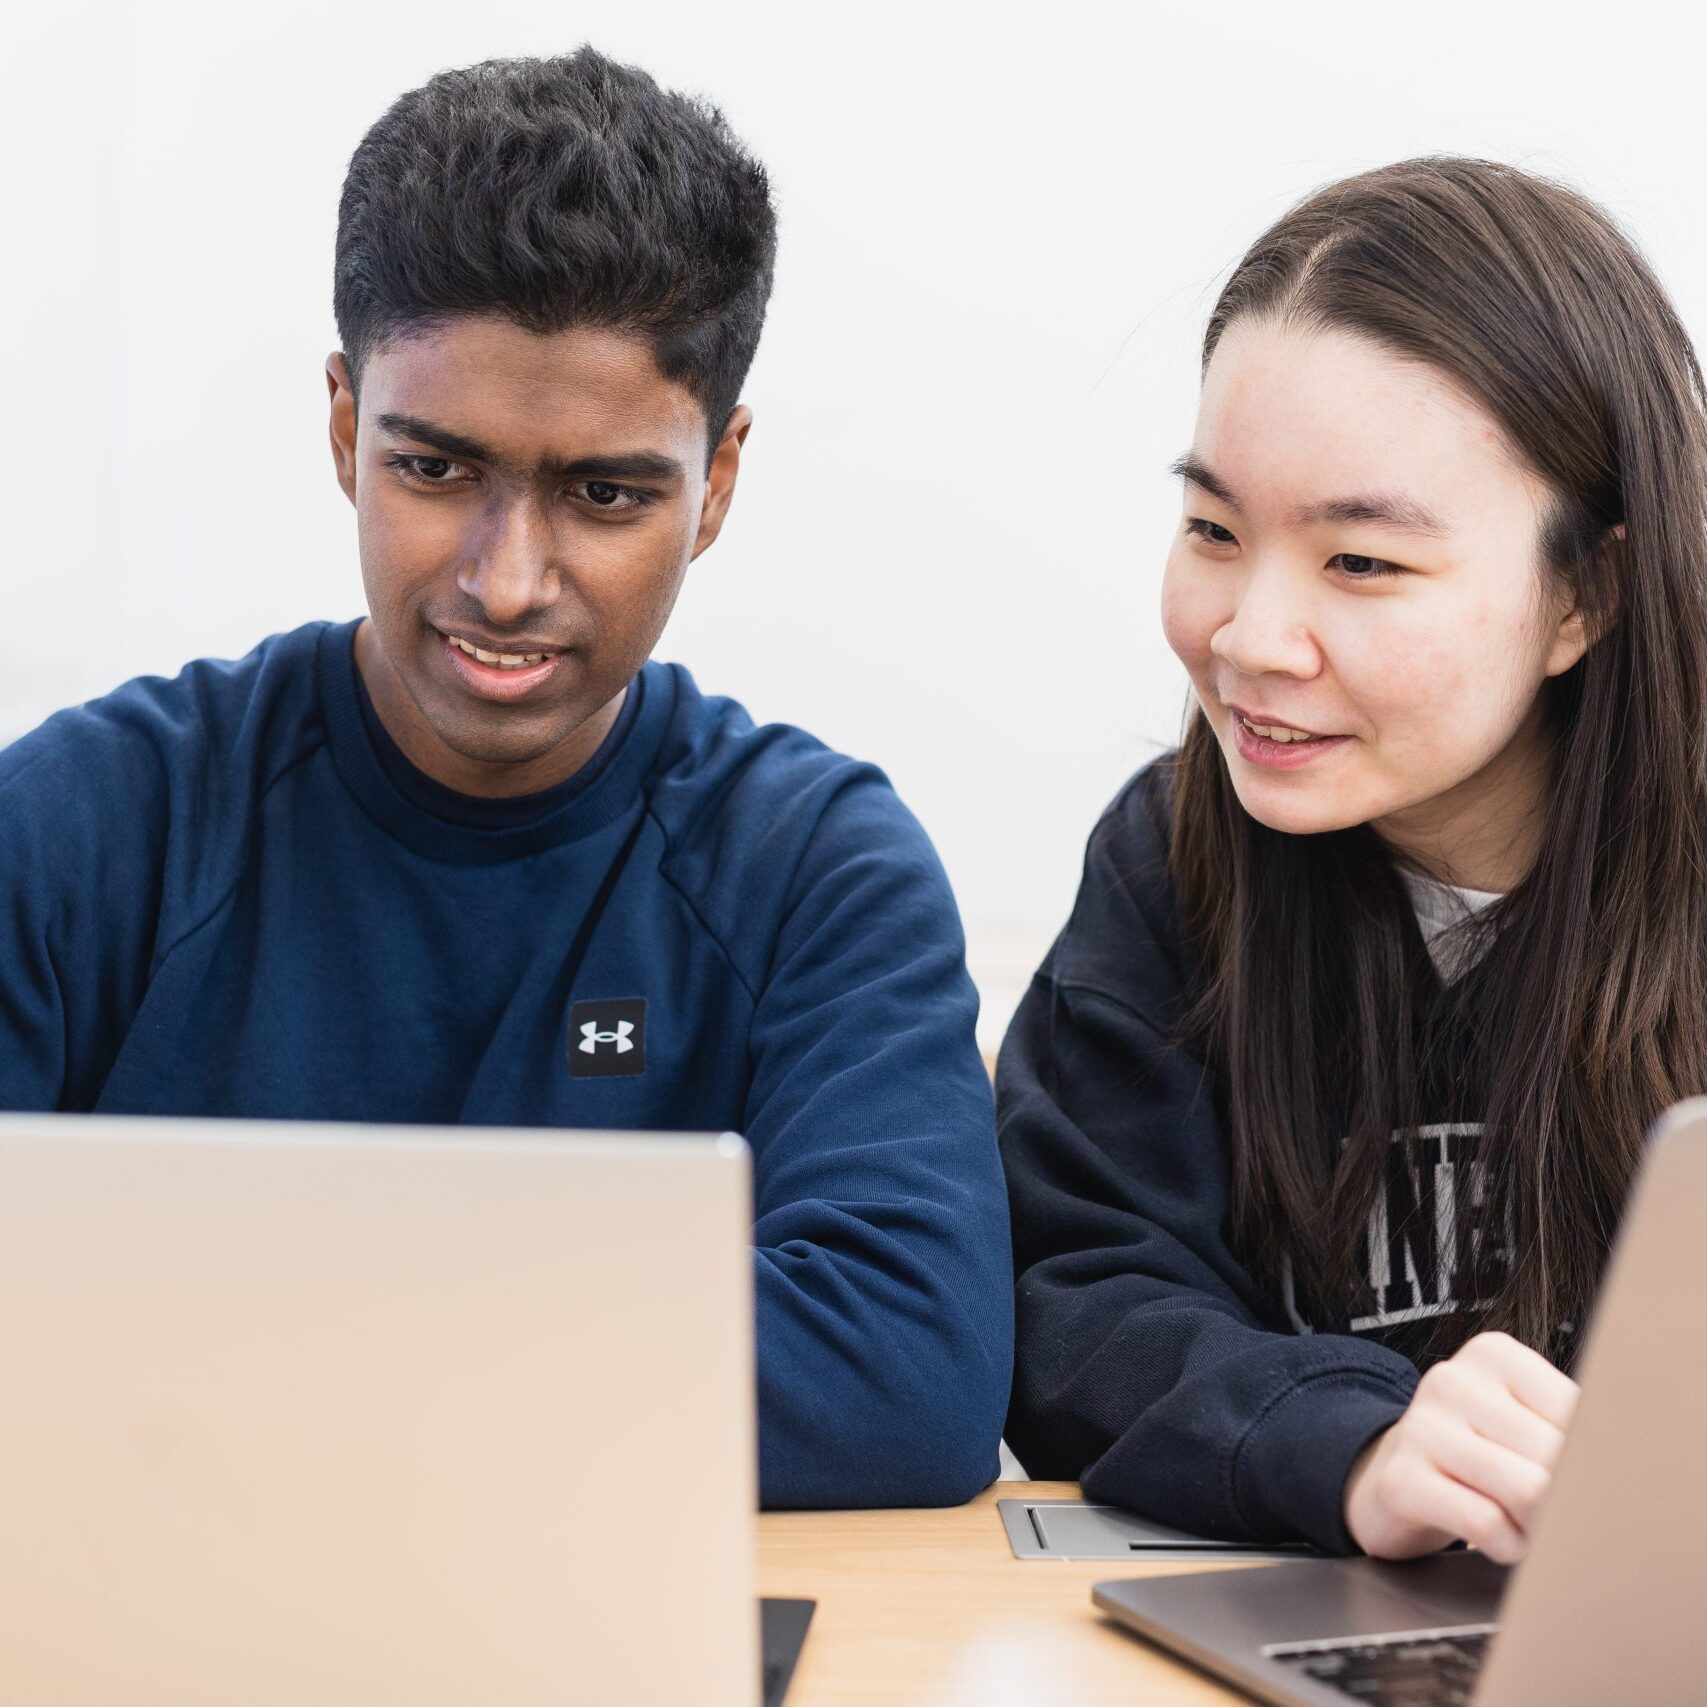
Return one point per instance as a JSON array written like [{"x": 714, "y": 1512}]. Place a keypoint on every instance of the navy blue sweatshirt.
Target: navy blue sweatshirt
[
  {"x": 1150, "y": 1364},
  {"x": 230, "y": 894}
]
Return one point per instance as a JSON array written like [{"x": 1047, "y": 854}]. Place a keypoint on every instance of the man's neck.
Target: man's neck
[{"x": 480, "y": 779}]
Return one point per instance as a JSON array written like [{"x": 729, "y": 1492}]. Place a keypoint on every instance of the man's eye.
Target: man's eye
[
  {"x": 607, "y": 495},
  {"x": 427, "y": 470},
  {"x": 1211, "y": 531}
]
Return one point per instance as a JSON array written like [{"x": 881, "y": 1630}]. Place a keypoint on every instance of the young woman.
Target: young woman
[{"x": 1341, "y": 1069}]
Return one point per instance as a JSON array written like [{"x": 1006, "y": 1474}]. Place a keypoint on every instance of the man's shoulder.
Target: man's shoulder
[
  {"x": 754, "y": 811},
  {"x": 208, "y": 696},
  {"x": 228, "y": 720},
  {"x": 723, "y": 775}
]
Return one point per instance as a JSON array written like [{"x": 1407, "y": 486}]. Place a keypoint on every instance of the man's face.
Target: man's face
[{"x": 535, "y": 498}]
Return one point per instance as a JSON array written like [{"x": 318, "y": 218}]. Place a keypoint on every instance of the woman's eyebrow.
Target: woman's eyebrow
[
  {"x": 1388, "y": 509},
  {"x": 1188, "y": 467}
]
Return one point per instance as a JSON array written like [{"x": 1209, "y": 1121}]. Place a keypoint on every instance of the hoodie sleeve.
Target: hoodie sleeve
[
  {"x": 881, "y": 1255},
  {"x": 1149, "y": 1364}
]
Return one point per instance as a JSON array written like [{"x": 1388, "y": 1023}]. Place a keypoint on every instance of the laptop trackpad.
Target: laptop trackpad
[
  {"x": 1315, "y": 1601},
  {"x": 1446, "y": 1588}
]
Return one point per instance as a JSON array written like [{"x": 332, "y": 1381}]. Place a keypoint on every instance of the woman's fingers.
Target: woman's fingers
[
  {"x": 1526, "y": 1374},
  {"x": 1432, "y": 1500},
  {"x": 1483, "y": 1522},
  {"x": 1513, "y": 1482},
  {"x": 1547, "y": 1391},
  {"x": 1472, "y": 1456},
  {"x": 1503, "y": 1419}
]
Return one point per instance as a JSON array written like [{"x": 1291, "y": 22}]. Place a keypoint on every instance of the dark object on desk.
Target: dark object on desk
[
  {"x": 782, "y": 1631},
  {"x": 1077, "y": 1529},
  {"x": 1398, "y": 1671}
]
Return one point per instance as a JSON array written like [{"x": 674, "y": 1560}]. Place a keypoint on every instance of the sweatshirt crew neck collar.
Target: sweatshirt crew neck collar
[{"x": 441, "y": 824}]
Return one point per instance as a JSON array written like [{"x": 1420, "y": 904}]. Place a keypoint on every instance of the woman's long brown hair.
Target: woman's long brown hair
[{"x": 1590, "y": 1008}]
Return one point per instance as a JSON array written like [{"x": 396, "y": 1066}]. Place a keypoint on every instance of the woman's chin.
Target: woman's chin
[{"x": 1295, "y": 808}]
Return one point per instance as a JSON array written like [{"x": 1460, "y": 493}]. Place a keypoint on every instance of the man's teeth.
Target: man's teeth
[
  {"x": 1277, "y": 731},
  {"x": 503, "y": 660}
]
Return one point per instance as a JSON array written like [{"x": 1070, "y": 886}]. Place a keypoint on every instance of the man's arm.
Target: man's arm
[
  {"x": 885, "y": 1325},
  {"x": 32, "y": 1008},
  {"x": 82, "y": 809}
]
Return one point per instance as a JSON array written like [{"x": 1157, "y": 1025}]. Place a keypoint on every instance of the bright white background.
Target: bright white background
[{"x": 1001, "y": 232}]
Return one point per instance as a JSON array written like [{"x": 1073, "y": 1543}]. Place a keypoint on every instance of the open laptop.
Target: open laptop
[
  {"x": 1607, "y": 1605},
  {"x": 302, "y": 1413}
]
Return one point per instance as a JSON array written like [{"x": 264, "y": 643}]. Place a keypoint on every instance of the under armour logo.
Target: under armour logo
[
  {"x": 592, "y": 1037},
  {"x": 607, "y": 1040}
]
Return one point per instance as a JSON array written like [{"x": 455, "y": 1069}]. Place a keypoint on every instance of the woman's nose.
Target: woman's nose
[{"x": 1269, "y": 631}]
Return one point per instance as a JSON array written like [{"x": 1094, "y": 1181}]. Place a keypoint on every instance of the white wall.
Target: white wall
[{"x": 1001, "y": 231}]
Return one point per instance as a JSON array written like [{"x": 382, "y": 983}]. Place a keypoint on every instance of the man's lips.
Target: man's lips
[
  {"x": 500, "y": 682},
  {"x": 485, "y": 649}
]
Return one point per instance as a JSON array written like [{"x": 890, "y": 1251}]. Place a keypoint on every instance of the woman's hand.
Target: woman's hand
[{"x": 1471, "y": 1459}]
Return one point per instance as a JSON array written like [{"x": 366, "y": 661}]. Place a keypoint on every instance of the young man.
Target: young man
[{"x": 474, "y": 858}]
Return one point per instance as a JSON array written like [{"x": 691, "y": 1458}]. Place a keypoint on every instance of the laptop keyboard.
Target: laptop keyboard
[{"x": 1426, "y": 1668}]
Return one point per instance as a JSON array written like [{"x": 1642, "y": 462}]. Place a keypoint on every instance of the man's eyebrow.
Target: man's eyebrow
[
  {"x": 440, "y": 438},
  {"x": 1388, "y": 509},
  {"x": 617, "y": 465}
]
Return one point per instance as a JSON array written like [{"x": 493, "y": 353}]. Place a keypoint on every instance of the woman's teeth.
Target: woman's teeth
[
  {"x": 1278, "y": 732},
  {"x": 503, "y": 660}
]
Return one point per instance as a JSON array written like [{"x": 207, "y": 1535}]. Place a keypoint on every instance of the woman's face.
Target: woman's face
[{"x": 1357, "y": 594}]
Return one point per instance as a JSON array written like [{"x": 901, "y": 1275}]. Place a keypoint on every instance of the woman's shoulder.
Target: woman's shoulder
[
  {"x": 1136, "y": 826},
  {"x": 1126, "y": 937}
]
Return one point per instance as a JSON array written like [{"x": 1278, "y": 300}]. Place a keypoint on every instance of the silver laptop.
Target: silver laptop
[
  {"x": 1607, "y": 1605},
  {"x": 349, "y": 1415}
]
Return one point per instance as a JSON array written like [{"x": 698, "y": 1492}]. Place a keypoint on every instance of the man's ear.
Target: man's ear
[
  {"x": 720, "y": 477},
  {"x": 343, "y": 422},
  {"x": 1578, "y": 629}
]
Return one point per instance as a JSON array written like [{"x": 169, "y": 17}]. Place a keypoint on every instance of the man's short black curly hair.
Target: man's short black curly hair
[{"x": 560, "y": 192}]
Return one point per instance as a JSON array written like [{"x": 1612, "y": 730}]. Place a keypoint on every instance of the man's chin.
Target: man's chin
[{"x": 501, "y": 751}]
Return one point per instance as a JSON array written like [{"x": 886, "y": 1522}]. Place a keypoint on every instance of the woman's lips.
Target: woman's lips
[{"x": 1275, "y": 755}]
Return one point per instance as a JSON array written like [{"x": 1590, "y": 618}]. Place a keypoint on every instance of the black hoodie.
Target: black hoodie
[{"x": 1151, "y": 1364}]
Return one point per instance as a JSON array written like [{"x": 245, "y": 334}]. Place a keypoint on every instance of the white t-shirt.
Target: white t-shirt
[{"x": 1440, "y": 908}]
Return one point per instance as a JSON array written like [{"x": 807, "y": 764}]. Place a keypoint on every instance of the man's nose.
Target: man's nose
[{"x": 513, "y": 567}]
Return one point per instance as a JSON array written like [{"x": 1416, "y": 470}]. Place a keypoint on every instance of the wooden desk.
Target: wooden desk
[{"x": 932, "y": 1607}]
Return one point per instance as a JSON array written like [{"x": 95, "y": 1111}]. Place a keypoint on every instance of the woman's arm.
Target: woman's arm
[{"x": 1150, "y": 1364}]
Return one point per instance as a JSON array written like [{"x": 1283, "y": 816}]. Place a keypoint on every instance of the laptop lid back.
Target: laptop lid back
[
  {"x": 1607, "y": 1606},
  {"x": 347, "y": 1415}
]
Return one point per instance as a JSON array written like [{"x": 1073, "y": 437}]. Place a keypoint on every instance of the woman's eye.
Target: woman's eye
[
  {"x": 1211, "y": 531},
  {"x": 1364, "y": 568}
]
